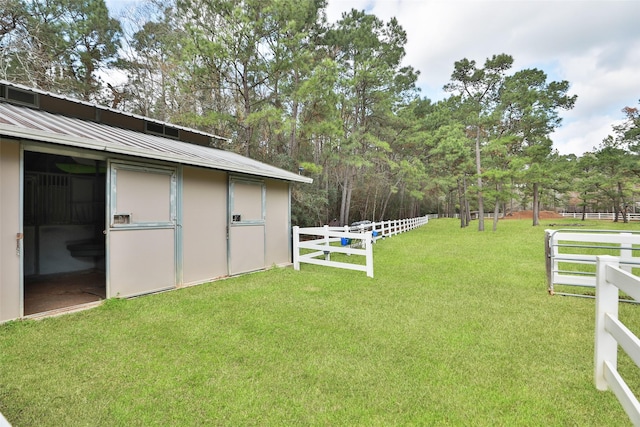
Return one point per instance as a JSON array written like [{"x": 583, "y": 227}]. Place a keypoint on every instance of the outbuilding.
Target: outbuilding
[{"x": 97, "y": 203}]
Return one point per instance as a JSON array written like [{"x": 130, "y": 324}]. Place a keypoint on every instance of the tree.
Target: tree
[
  {"x": 479, "y": 89},
  {"x": 243, "y": 64},
  {"x": 500, "y": 172},
  {"x": 587, "y": 180},
  {"x": 150, "y": 59},
  {"x": 60, "y": 45},
  {"x": 450, "y": 158},
  {"x": 529, "y": 107},
  {"x": 628, "y": 133},
  {"x": 371, "y": 84},
  {"x": 12, "y": 15},
  {"x": 617, "y": 158},
  {"x": 618, "y": 178}
]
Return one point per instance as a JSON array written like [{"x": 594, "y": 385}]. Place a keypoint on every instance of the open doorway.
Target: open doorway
[{"x": 64, "y": 220}]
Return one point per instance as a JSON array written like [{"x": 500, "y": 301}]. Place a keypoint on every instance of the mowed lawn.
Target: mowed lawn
[{"x": 456, "y": 328}]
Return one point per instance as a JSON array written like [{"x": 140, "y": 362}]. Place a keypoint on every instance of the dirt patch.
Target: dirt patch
[
  {"x": 56, "y": 291},
  {"x": 529, "y": 215}
]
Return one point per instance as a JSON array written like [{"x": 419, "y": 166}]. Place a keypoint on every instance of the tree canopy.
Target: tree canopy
[{"x": 335, "y": 101}]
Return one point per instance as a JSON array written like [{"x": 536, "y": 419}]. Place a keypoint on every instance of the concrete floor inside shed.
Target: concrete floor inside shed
[{"x": 48, "y": 293}]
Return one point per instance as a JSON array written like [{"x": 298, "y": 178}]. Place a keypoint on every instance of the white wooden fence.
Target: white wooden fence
[
  {"x": 355, "y": 240},
  {"x": 600, "y": 215},
  {"x": 571, "y": 255},
  {"x": 610, "y": 332}
]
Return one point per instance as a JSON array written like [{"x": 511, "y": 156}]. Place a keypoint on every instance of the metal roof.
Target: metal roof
[
  {"x": 32, "y": 124},
  {"x": 96, "y": 106}
]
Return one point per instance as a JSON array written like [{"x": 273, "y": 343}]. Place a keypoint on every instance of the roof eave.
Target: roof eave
[{"x": 73, "y": 141}]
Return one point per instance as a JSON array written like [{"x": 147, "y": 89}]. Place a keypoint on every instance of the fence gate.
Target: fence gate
[{"x": 571, "y": 256}]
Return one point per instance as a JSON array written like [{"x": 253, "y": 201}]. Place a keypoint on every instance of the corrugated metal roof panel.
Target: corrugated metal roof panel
[
  {"x": 46, "y": 97},
  {"x": 24, "y": 122}
]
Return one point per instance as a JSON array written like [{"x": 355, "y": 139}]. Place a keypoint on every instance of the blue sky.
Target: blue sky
[{"x": 594, "y": 44}]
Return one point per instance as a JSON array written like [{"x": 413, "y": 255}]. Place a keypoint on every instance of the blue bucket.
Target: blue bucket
[
  {"x": 375, "y": 233},
  {"x": 344, "y": 241}
]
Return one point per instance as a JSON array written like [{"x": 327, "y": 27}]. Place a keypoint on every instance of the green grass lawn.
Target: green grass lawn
[{"x": 456, "y": 328}]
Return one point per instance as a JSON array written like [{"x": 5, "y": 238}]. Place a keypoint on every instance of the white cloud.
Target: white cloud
[
  {"x": 578, "y": 136},
  {"x": 593, "y": 44}
]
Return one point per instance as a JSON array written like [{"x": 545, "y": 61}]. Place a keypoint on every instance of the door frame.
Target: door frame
[{"x": 47, "y": 148}]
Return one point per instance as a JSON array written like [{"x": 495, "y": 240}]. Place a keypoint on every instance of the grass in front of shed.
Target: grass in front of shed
[{"x": 456, "y": 328}]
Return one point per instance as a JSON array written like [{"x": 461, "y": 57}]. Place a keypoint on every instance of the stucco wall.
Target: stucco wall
[
  {"x": 278, "y": 223},
  {"x": 203, "y": 233},
  {"x": 204, "y": 225}
]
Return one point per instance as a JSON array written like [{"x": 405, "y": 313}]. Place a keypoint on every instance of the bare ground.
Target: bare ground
[{"x": 529, "y": 215}]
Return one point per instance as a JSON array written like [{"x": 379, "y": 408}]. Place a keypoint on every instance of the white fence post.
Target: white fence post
[
  {"x": 369, "y": 253},
  {"x": 606, "y": 347},
  {"x": 327, "y": 252},
  {"x": 359, "y": 240},
  {"x": 296, "y": 247},
  {"x": 626, "y": 252}
]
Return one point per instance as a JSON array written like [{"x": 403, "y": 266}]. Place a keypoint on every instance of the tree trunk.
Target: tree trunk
[
  {"x": 623, "y": 204},
  {"x": 343, "y": 202},
  {"x": 383, "y": 210},
  {"x": 467, "y": 209},
  {"x": 348, "y": 207},
  {"x": 536, "y": 205},
  {"x": 479, "y": 173},
  {"x": 347, "y": 190},
  {"x": 496, "y": 209},
  {"x": 293, "y": 146},
  {"x": 496, "y": 212},
  {"x": 246, "y": 99},
  {"x": 463, "y": 214},
  {"x": 375, "y": 204},
  {"x": 325, "y": 178},
  {"x": 511, "y": 197}
]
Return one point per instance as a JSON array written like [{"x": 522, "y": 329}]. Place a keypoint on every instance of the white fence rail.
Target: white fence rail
[
  {"x": 356, "y": 240},
  {"x": 600, "y": 215},
  {"x": 571, "y": 255},
  {"x": 610, "y": 332},
  {"x": 576, "y": 215}
]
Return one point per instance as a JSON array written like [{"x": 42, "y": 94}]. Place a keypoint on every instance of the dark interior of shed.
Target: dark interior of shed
[{"x": 63, "y": 223}]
